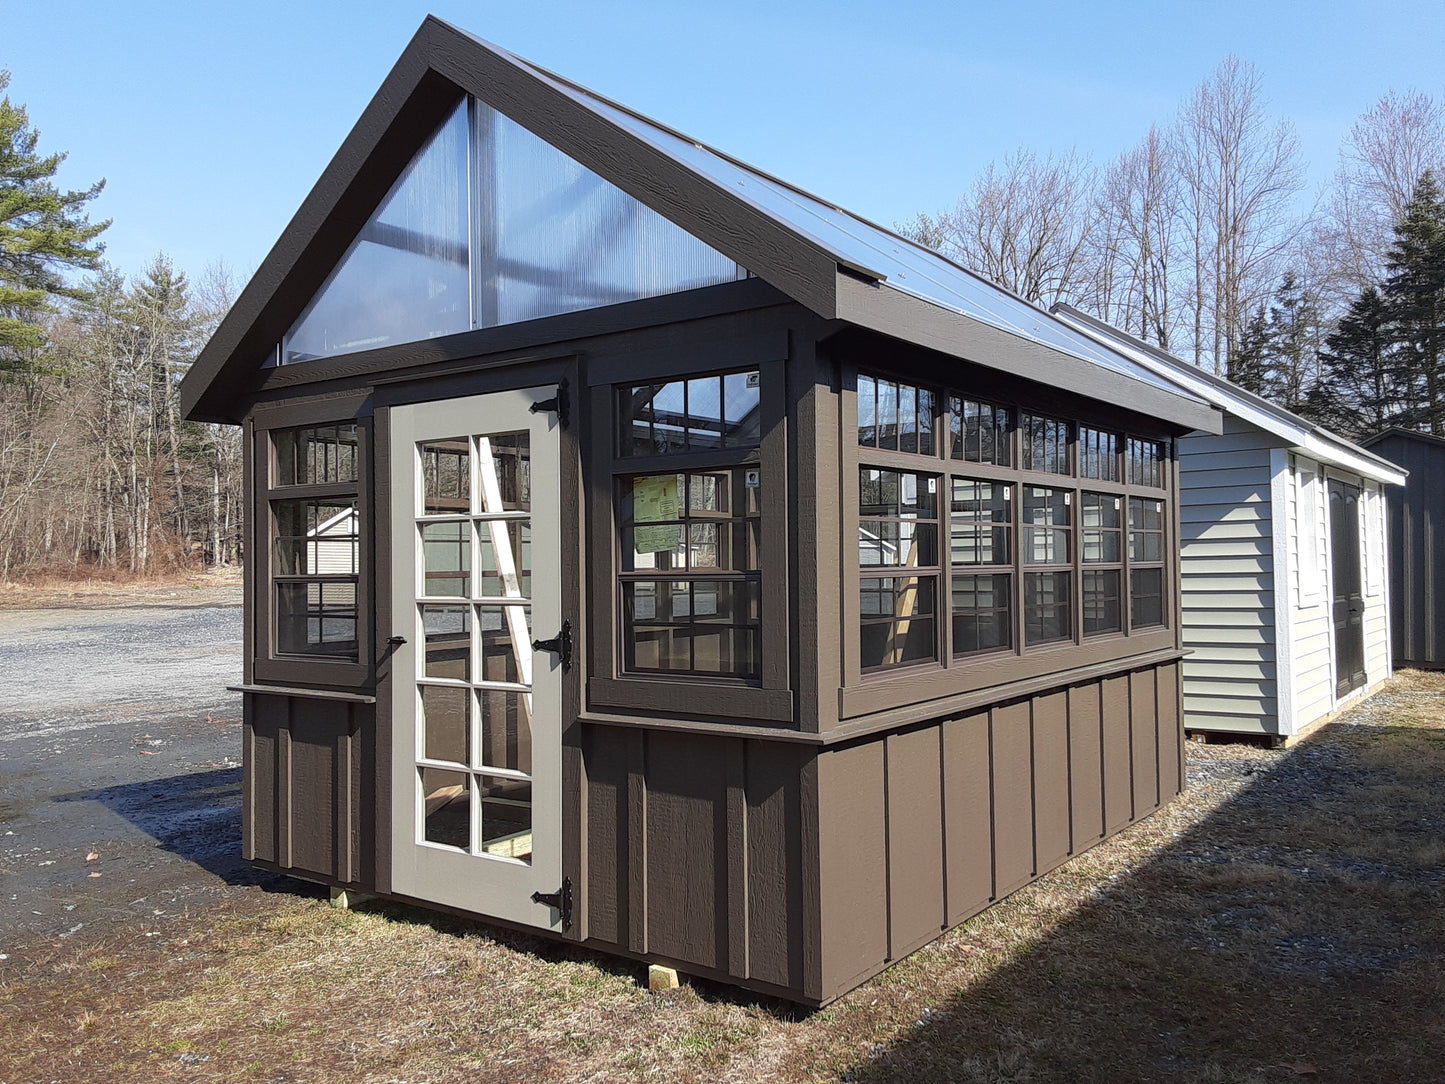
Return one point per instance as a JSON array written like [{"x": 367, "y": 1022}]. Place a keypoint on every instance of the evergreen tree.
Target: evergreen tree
[
  {"x": 44, "y": 233},
  {"x": 1415, "y": 293},
  {"x": 1294, "y": 332},
  {"x": 1248, "y": 364},
  {"x": 1358, "y": 392}
]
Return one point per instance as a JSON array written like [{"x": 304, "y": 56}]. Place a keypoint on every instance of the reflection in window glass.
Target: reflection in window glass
[
  {"x": 1146, "y": 597},
  {"x": 446, "y": 477},
  {"x": 447, "y": 631},
  {"x": 980, "y": 522},
  {"x": 1100, "y": 528},
  {"x": 691, "y": 415},
  {"x": 1045, "y": 444},
  {"x": 897, "y": 621},
  {"x": 982, "y": 613},
  {"x": 895, "y": 416},
  {"x": 316, "y": 537},
  {"x": 447, "y": 809},
  {"x": 692, "y": 626},
  {"x": 1047, "y": 607},
  {"x": 1100, "y": 598},
  {"x": 316, "y": 455},
  {"x": 979, "y": 432},
  {"x": 1046, "y": 523},
  {"x": 446, "y": 723},
  {"x": 446, "y": 550},
  {"x": 1098, "y": 454},
  {"x": 316, "y": 618},
  {"x": 1146, "y": 463}
]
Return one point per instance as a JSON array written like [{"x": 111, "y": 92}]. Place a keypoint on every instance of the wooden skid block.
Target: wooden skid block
[{"x": 661, "y": 978}]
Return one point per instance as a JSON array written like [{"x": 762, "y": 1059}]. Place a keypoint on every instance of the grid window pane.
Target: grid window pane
[
  {"x": 980, "y": 522},
  {"x": 316, "y": 455},
  {"x": 506, "y": 817},
  {"x": 898, "y": 624},
  {"x": 1098, "y": 454},
  {"x": 446, "y": 723},
  {"x": 446, "y": 559},
  {"x": 696, "y": 626},
  {"x": 316, "y": 618},
  {"x": 317, "y": 537},
  {"x": 1045, "y": 444},
  {"x": 446, "y": 477},
  {"x": 506, "y": 729},
  {"x": 697, "y": 414},
  {"x": 1100, "y": 598},
  {"x": 1046, "y": 526},
  {"x": 979, "y": 432},
  {"x": 1100, "y": 528},
  {"x": 1146, "y": 596},
  {"x": 447, "y": 807},
  {"x": 1146, "y": 463},
  {"x": 1048, "y": 607},
  {"x": 447, "y": 632},
  {"x": 982, "y": 613}
]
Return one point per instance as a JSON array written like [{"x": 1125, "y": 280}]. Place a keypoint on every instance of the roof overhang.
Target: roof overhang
[{"x": 1302, "y": 434}]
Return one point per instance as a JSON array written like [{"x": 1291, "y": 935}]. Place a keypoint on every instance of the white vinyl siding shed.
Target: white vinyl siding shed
[{"x": 1257, "y": 569}]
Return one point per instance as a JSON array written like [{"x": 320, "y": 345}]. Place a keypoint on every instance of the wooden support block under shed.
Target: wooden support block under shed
[
  {"x": 344, "y": 899},
  {"x": 661, "y": 978}
]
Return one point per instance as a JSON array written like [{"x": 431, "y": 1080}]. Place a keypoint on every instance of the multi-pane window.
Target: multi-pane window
[
  {"x": 895, "y": 416},
  {"x": 980, "y": 529},
  {"x": 1098, "y": 454},
  {"x": 980, "y": 432},
  {"x": 315, "y": 540},
  {"x": 1045, "y": 444},
  {"x": 1002, "y": 561},
  {"x": 691, "y": 415},
  {"x": 899, "y": 558},
  {"x": 1047, "y": 536},
  {"x": 1102, "y": 557},
  {"x": 690, "y": 550},
  {"x": 1146, "y": 463},
  {"x": 1146, "y": 562}
]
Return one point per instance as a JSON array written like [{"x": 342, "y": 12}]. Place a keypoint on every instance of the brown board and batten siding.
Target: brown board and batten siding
[{"x": 922, "y": 828}]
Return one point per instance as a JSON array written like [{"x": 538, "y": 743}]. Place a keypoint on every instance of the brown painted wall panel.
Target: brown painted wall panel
[
  {"x": 1051, "y": 780},
  {"x": 1170, "y": 730},
  {"x": 915, "y": 840},
  {"x": 605, "y": 886},
  {"x": 1144, "y": 736},
  {"x": 853, "y": 863},
  {"x": 774, "y": 863},
  {"x": 1013, "y": 805},
  {"x": 1118, "y": 782},
  {"x": 687, "y": 903},
  {"x": 315, "y": 782},
  {"x": 260, "y": 750},
  {"x": 1086, "y": 768},
  {"x": 967, "y": 815}
]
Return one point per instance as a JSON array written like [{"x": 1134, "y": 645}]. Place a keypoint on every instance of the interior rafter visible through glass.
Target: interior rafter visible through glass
[{"x": 474, "y": 672}]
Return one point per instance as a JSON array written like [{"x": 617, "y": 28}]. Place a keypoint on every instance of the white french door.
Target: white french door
[{"x": 477, "y": 709}]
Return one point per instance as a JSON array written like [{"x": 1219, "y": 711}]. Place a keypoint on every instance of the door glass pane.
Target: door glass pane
[
  {"x": 447, "y": 807},
  {"x": 506, "y": 643},
  {"x": 504, "y": 561},
  {"x": 446, "y": 477},
  {"x": 446, "y": 723},
  {"x": 446, "y": 559},
  {"x": 506, "y": 729},
  {"x": 448, "y": 634},
  {"x": 506, "y": 817},
  {"x": 505, "y": 469}
]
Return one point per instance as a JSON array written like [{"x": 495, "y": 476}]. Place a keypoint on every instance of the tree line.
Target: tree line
[
  {"x": 1194, "y": 240},
  {"x": 98, "y": 471}
]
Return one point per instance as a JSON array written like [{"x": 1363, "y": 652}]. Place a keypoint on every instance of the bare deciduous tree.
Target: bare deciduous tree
[{"x": 1241, "y": 173}]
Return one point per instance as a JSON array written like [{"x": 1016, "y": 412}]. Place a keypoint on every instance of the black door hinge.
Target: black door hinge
[
  {"x": 561, "y": 644},
  {"x": 557, "y": 404},
  {"x": 561, "y": 900}
]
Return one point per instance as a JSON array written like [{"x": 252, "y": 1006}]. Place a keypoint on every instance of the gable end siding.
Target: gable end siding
[{"x": 1226, "y": 542}]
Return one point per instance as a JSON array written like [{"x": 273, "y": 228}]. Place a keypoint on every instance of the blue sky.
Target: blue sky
[{"x": 211, "y": 120}]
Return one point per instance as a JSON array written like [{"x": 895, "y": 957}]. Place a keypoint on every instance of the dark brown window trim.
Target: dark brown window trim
[{"x": 769, "y": 698}]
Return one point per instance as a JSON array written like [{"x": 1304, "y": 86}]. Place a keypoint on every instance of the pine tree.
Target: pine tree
[
  {"x": 1358, "y": 388},
  {"x": 44, "y": 233},
  {"x": 1294, "y": 331},
  {"x": 1415, "y": 293},
  {"x": 1249, "y": 364}
]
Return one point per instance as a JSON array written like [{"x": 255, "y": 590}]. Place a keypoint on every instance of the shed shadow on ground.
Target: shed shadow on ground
[
  {"x": 1296, "y": 930},
  {"x": 196, "y": 817}
]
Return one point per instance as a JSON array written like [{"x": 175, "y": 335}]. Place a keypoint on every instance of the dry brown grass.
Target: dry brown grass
[
  {"x": 1282, "y": 921},
  {"x": 73, "y": 589}
]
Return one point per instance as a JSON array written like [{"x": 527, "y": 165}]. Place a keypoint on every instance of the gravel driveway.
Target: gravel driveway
[{"x": 119, "y": 764}]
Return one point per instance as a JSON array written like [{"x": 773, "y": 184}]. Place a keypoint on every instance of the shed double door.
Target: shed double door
[
  {"x": 1349, "y": 600},
  {"x": 476, "y": 705}
]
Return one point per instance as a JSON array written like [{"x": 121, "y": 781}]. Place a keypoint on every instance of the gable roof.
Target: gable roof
[
  {"x": 837, "y": 264},
  {"x": 1318, "y": 442},
  {"x": 1394, "y": 432}
]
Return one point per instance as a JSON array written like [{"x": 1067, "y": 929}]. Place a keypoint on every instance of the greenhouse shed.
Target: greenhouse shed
[
  {"x": 1284, "y": 573},
  {"x": 1416, "y": 515},
  {"x": 732, "y": 584}
]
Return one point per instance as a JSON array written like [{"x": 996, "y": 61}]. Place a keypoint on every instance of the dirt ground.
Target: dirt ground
[{"x": 1280, "y": 921}]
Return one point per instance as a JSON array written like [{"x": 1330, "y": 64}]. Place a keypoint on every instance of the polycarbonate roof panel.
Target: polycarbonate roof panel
[{"x": 858, "y": 243}]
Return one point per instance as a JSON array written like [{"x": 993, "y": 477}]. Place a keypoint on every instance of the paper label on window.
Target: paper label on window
[{"x": 654, "y": 499}]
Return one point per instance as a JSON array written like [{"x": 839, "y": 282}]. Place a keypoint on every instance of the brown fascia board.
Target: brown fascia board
[
  {"x": 915, "y": 320},
  {"x": 438, "y": 64}
]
